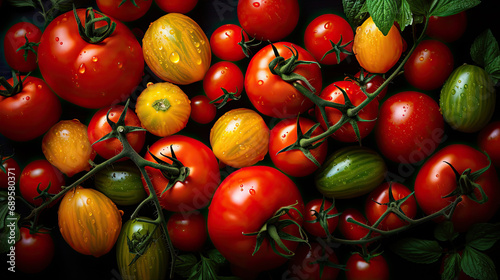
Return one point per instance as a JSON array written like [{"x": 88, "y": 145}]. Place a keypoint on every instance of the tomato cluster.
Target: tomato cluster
[{"x": 286, "y": 139}]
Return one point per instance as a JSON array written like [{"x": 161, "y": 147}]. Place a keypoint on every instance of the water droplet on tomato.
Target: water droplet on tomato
[
  {"x": 196, "y": 44},
  {"x": 172, "y": 31},
  {"x": 421, "y": 58},
  {"x": 198, "y": 61},
  {"x": 260, "y": 82},
  {"x": 327, "y": 25},
  {"x": 437, "y": 175},
  {"x": 174, "y": 57},
  {"x": 256, "y": 4},
  {"x": 39, "y": 86},
  {"x": 61, "y": 43},
  {"x": 90, "y": 214},
  {"x": 57, "y": 39},
  {"x": 82, "y": 68},
  {"x": 466, "y": 86},
  {"x": 94, "y": 59},
  {"x": 27, "y": 98},
  {"x": 251, "y": 191},
  {"x": 120, "y": 65}
]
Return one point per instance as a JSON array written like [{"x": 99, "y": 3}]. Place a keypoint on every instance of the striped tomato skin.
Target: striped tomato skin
[
  {"x": 89, "y": 221},
  {"x": 467, "y": 99},
  {"x": 176, "y": 49}
]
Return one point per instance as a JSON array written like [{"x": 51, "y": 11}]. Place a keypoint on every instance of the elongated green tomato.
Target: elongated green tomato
[
  {"x": 122, "y": 183},
  {"x": 153, "y": 262},
  {"x": 350, "y": 172},
  {"x": 467, "y": 99},
  {"x": 176, "y": 49}
]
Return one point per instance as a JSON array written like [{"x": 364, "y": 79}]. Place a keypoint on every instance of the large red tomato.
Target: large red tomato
[
  {"x": 34, "y": 251},
  {"x": 19, "y": 53},
  {"x": 91, "y": 75},
  {"x": 269, "y": 93},
  {"x": 447, "y": 29},
  {"x": 242, "y": 205},
  {"x": 436, "y": 179}
]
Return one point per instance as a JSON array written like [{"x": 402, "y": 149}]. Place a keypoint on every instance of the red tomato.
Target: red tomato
[
  {"x": 313, "y": 210},
  {"x": 124, "y": 10},
  {"x": 40, "y": 172},
  {"x": 99, "y": 127},
  {"x": 272, "y": 96},
  {"x": 223, "y": 75},
  {"x": 269, "y": 20},
  {"x": 350, "y": 230},
  {"x": 374, "y": 205},
  {"x": 429, "y": 65},
  {"x": 176, "y": 6},
  {"x": 34, "y": 251},
  {"x": 197, "y": 189},
  {"x": 346, "y": 132},
  {"x": 202, "y": 111},
  {"x": 187, "y": 231},
  {"x": 294, "y": 162},
  {"x": 358, "y": 268},
  {"x": 409, "y": 127},
  {"x": 237, "y": 208},
  {"x": 489, "y": 141},
  {"x": 307, "y": 262},
  {"x": 224, "y": 42},
  {"x": 13, "y": 173},
  {"x": 373, "y": 84},
  {"x": 86, "y": 74},
  {"x": 23, "y": 60},
  {"x": 324, "y": 31},
  {"x": 30, "y": 112},
  {"x": 447, "y": 29},
  {"x": 436, "y": 179}
]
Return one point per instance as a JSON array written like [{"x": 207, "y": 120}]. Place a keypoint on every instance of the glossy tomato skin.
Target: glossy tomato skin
[
  {"x": 488, "y": 140},
  {"x": 359, "y": 269},
  {"x": 43, "y": 173},
  {"x": 126, "y": 11},
  {"x": 237, "y": 208},
  {"x": 99, "y": 127},
  {"x": 429, "y": 65},
  {"x": 436, "y": 179},
  {"x": 34, "y": 251},
  {"x": 374, "y": 205},
  {"x": 409, "y": 127},
  {"x": 447, "y": 29},
  {"x": 315, "y": 228},
  {"x": 224, "y": 42},
  {"x": 89, "y": 75},
  {"x": 304, "y": 265},
  {"x": 350, "y": 230},
  {"x": 204, "y": 176},
  {"x": 272, "y": 96},
  {"x": 29, "y": 113},
  {"x": 269, "y": 20},
  {"x": 14, "y": 39},
  {"x": 294, "y": 162},
  {"x": 202, "y": 111},
  {"x": 187, "y": 231},
  {"x": 11, "y": 166},
  {"x": 325, "y": 30},
  {"x": 223, "y": 74},
  {"x": 346, "y": 132},
  {"x": 176, "y": 6}
]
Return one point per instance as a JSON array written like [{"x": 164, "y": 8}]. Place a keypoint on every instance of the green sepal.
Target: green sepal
[
  {"x": 322, "y": 216},
  {"x": 246, "y": 45},
  {"x": 88, "y": 32},
  {"x": 225, "y": 97},
  {"x": 27, "y": 47},
  {"x": 338, "y": 48},
  {"x": 181, "y": 176}
]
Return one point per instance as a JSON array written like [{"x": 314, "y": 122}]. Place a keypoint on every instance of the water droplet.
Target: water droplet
[
  {"x": 327, "y": 25},
  {"x": 459, "y": 81},
  {"x": 82, "y": 68},
  {"x": 466, "y": 86},
  {"x": 453, "y": 91},
  {"x": 27, "y": 98},
  {"x": 437, "y": 175},
  {"x": 172, "y": 31},
  {"x": 196, "y": 44},
  {"x": 198, "y": 61},
  {"x": 120, "y": 65},
  {"x": 160, "y": 48},
  {"x": 57, "y": 39},
  {"x": 61, "y": 43},
  {"x": 251, "y": 191},
  {"x": 174, "y": 57},
  {"x": 39, "y": 86},
  {"x": 260, "y": 82},
  {"x": 421, "y": 58},
  {"x": 256, "y": 4},
  {"x": 94, "y": 58}
]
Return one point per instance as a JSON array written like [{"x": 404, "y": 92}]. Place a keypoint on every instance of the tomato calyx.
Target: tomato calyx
[
  {"x": 176, "y": 171},
  {"x": 363, "y": 79},
  {"x": 88, "y": 32},
  {"x": 324, "y": 260},
  {"x": 140, "y": 241},
  {"x": 17, "y": 87},
  {"x": 225, "y": 97},
  {"x": 161, "y": 105},
  {"x": 393, "y": 205},
  {"x": 246, "y": 45},
  {"x": 272, "y": 230},
  {"x": 338, "y": 48},
  {"x": 28, "y": 47},
  {"x": 322, "y": 218},
  {"x": 466, "y": 183},
  {"x": 44, "y": 194},
  {"x": 124, "y": 1}
]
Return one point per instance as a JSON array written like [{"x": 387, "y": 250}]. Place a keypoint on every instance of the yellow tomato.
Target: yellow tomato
[
  {"x": 375, "y": 52},
  {"x": 163, "y": 109},
  {"x": 240, "y": 138},
  {"x": 176, "y": 49}
]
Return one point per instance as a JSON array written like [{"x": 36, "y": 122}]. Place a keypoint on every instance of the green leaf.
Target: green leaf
[
  {"x": 484, "y": 49},
  {"x": 404, "y": 16},
  {"x": 445, "y": 232},
  {"x": 493, "y": 69},
  {"x": 186, "y": 265},
  {"x": 444, "y": 8},
  {"x": 419, "y": 7},
  {"x": 355, "y": 11},
  {"x": 478, "y": 265},
  {"x": 451, "y": 266},
  {"x": 417, "y": 250},
  {"x": 383, "y": 13},
  {"x": 23, "y": 3},
  {"x": 216, "y": 256},
  {"x": 483, "y": 236}
]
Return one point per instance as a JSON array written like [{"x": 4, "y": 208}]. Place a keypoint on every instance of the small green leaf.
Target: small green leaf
[
  {"x": 417, "y": 250},
  {"x": 451, "y": 266},
  {"x": 185, "y": 265},
  {"x": 419, "y": 7},
  {"x": 478, "y": 265},
  {"x": 483, "y": 236},
  {"x": 383, "y": 13},
  {"x": 404, "y": 16},
  {"x": 216, "y": 256},
  {"x": 23, "y": 3},
  {"x": 484, "y": 49},
  {"x": 445, "y": 232},
  {"x": 493, "y": 68},
  {"x": 355, "y": 11},
  {"x": 446, "y": 8}
]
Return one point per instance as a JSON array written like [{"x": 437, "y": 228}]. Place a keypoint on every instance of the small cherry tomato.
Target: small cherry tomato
[
  {"x": 350, "y": 230},
  {"x": 313, "y": 212},
  {"x": 358, "y": 268},
  {"x": 489, "y": 141},
  {"x": 224, "y": 42},
  {"x": 202, "y": 111},
  {"x": 187, "y": 231},
  {"x": 220, "y": 77},
  {"x": 34, "y": 251},
  {"x": 39, "y": 174},
  {"x": 20, "y": 46}
]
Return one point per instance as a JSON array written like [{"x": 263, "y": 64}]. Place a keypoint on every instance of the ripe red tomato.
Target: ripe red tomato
[
  {"x": 374, "y": 205},
  {"x": 269, "y": 20},
  {"x": 99, "y": 127},
  {"x": 436, "y": 179},
  {"x": 176, "y": 6},
  {"x": 223, "y": 75},
  {"x": 373, "y": 84},
  {"x": 313, "y": 208},
  {"x": 324, "y": 31},
  {"x": 30, "y": 112},
  {"x": 358, "y": 268},
  {"x": 13, "y": 172},
  {"x": 346, "y": 132},
  {"x": 409, "y": 127},
  {"x": 34, "y": 251},
  {"x": 308, "y": 260},
  {"x": 187, "y": 231},
  {"x": 270, "y": 94},
  {"x": 124, "y": 10},
  {"x": 429, "y": 65},
  {"x": 202, "y": 111},
  {"x": 197, "y": 189},
  {"x": 294, "y": 162},
  {"x": 90, "y": 75},
  {"x": 447, "y": 29},
  {"x": 224, "y": 42},
  {"x": 350, "y": 230},
  {"x": 40, "y": 172},
  {"x": 23, "y": 60},
  {"x": 489, "y": 141},
  {"x": 237, "y": 209}
]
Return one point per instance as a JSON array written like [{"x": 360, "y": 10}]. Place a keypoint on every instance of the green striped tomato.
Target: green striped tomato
[
  {"x": 153, "y": 263},
  {"x": 350, "y": 172},
  {"x": 467, "y": 99},
  {"x": 176, "y": 49}
]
